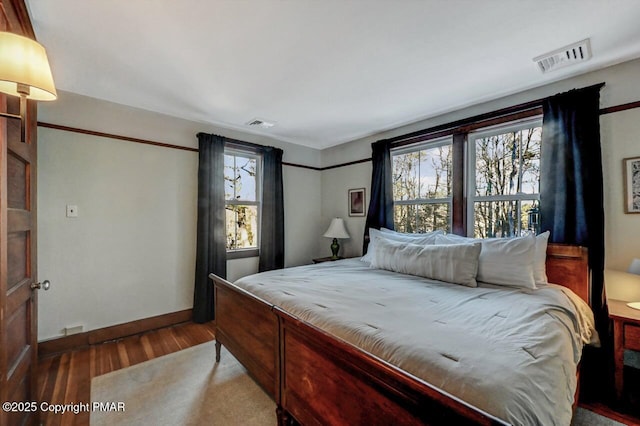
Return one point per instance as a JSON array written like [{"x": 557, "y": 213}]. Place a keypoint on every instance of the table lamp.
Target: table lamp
[{"x": 336, "y": 230}]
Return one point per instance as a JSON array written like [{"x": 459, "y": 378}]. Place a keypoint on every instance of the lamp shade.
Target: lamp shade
[
  {"x": 336, "y": 229},
  {"x": 23, "y": 62},
  {"x": 634, "y": 267}
]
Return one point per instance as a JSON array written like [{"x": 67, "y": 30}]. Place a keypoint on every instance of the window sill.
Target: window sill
[{"x": 243, "y": 253}]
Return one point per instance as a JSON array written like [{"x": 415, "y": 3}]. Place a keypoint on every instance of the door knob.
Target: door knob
[{"x": 43, "y": 285}]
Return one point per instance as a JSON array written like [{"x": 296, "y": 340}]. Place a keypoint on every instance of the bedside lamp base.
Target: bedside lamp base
[{"x": 335, "y": 247}]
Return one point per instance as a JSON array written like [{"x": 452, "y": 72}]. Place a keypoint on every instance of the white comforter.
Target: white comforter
[{"x": 511, "y": 352}]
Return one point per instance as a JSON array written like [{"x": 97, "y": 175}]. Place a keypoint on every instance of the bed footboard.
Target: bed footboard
[
  {"x": 247, "y": 327},
  {"x": 328, "y": 381}
]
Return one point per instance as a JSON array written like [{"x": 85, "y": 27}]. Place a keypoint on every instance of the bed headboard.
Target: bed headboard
[{"x": 568, "y": 265}]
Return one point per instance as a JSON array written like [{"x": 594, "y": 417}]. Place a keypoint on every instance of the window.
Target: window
[
  {"x": 494, "y": 191},
  {"x": 242, "y": 192},
  {"x": 422, "y": 187},
  {"x": 504, "y": 180}
]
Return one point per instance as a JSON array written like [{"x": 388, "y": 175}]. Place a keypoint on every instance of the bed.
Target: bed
[{"x": 386, "y": 364}]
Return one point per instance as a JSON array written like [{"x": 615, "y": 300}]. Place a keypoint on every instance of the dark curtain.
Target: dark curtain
[
  {"x": 380, "y": 212},
  {"x": 571, "y": 200},
  {"x": 211, "y": 252},
  {"x": 572, "y": 208},
  {"x": 272, "y": 225}
]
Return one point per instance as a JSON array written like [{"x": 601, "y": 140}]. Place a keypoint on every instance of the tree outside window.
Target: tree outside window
[
  {"x": 502, "y": 188},
  {"x": 422, "y": 187},
  {"x": 505, "y": 180},
  {"x": 242, "y": 208}
]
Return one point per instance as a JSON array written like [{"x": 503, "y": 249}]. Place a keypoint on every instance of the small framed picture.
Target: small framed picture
[
  {"x": 631, "y": 184},
  {"x": 356, "y": 202}
]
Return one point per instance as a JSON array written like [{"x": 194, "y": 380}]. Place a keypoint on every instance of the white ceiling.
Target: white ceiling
[{"x": 326, "y": 72}]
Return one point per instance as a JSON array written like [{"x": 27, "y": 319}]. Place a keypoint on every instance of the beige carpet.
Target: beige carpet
[
  {"x": 189, "y": 388},
  {"x": 184, "y": 388}
]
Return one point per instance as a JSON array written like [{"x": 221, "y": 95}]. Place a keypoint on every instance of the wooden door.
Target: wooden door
[{"x": 18, "y": 302}]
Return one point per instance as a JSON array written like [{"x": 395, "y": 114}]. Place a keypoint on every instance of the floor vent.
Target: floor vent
[{"x": 568, "y": 55}]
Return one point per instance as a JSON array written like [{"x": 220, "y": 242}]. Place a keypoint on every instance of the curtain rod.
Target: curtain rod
[
  {"x": 442, "y": 128},
  {"x": 241, "y": 144}
]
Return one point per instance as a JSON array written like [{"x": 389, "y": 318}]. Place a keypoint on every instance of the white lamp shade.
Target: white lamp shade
[
  {"x": 337, "y": 229},
  {"x": 634, "y": 268},
  {"x": 24, "y": 62}
]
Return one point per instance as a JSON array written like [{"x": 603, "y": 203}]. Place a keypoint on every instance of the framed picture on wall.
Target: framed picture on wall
[
  {"x": 356, "y": 202},
  {"x": 631, "y": 185}
]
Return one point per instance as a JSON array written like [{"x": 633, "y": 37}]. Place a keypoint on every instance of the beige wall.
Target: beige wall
[
  {"x": 335, "y": 186},
  {"x": 620, "y": 139},
  {"x": 130, "y": 253}
]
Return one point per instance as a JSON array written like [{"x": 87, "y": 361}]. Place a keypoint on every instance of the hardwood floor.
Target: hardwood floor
[{"x": 66, "y": 378}]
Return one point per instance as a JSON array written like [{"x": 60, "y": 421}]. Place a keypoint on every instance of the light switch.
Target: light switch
[{"x": 72, "y": 210}]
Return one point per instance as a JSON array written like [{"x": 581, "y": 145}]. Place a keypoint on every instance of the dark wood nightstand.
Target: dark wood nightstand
[
  {"x": 626, "y": 335},
  {"x": 326, "y": 259}
]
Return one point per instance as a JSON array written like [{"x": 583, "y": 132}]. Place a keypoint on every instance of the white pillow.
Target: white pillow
[
  {"x": 540, "y": 259},
  {"x": 454, "y": 238},
  {"x": 375, "y": 234},
  {"x": 503, "y": 261},
  {"x": 412, "y": 235},
  {"x": 456, "y": 264}
]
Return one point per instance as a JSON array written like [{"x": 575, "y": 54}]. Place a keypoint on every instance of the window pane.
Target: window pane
[
  {"x": 246, "y": 184},
  {"x": 500, "y": 218},
  {"x": 432, "y": 217},
  {"x": 508, "y": 163},
  {"x": 530, "y": 217},
  {"x": 531, "y": 160},
  {"x": 422, "y": 174},
  {"x": 405, "y": 176},
  {"x": 230, "y": 223},
  {"x": 435, "y": 172},
  {"x": 495, "y": 219},
  {"x": 240, "y": 178},
  {"x": 229, "y": 177},
  {"x": 497, "y": 165},
  {"x": 405, "y": 218},
  {"x": 242, "y": 227}
]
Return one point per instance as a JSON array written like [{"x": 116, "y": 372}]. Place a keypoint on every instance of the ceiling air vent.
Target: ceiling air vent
[
  {"x": 568, "y": 55},
  {"x": 257, "y": 122}
]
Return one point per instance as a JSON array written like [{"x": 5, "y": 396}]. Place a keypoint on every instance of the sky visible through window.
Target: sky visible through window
[
  {"x": 422, "y": 185},
  {"x": 241, "y": 195}
]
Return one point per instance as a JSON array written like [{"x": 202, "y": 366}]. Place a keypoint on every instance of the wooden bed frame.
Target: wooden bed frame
[{"x": 316, "y": 378}]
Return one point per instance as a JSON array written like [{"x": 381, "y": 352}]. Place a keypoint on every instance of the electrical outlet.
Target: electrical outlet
[
  {"x": 68, "y": 331},
  {"x": 72, "y": 210}
]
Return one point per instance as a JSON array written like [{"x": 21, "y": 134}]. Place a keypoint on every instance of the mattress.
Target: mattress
[{"x": 508, "y": 351}]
